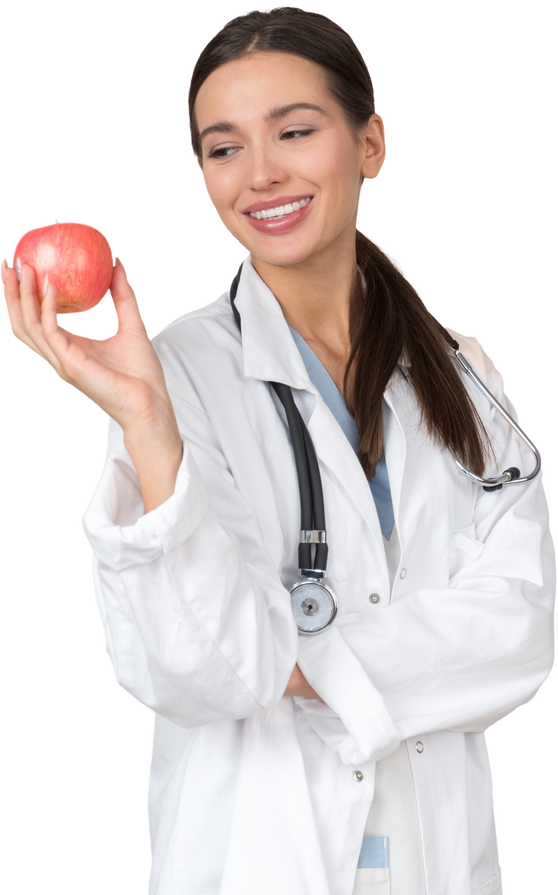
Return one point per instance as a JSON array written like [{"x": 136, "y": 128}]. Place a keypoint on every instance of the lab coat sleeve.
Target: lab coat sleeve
[
  {"x": 198, "y": 625},
  {"x": 458, "y": 657}
]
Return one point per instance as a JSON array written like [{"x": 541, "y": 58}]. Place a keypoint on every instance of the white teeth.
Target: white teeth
[{"x": 280, "y": 212}]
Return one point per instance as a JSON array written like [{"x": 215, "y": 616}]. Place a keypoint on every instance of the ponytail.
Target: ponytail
[{"x": 395, "y": 324}]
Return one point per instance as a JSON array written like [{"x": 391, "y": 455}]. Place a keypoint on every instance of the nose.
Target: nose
[{"x": 265, "y": 169}]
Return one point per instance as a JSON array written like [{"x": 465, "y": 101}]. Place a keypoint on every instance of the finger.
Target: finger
[
  {"x": 50, "y": 350},
  {"x": 55, "y": 340},
  {"x": 124, "y": 298},
  {"x": 32, "y": 314},
  {"x": 49, "y": 319},
  {"x": 72, "y": 357},
  {"x": 28, "y": 298},
  {"x": 9, "y": 292},
  {"x": 13, "y": 303},
  {"x": 64, "y": 350},
  {"x": 10, "y": 295}
]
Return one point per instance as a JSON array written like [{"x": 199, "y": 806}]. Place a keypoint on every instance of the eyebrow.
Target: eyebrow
[{"x": 226, "y": 127}]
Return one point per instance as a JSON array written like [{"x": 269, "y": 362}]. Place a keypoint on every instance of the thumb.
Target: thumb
[{"x": 123, "y": 296}]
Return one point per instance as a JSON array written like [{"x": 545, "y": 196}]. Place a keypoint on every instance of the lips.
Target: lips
[
  {"x": 280, "y": 211},
  {"x": 276, "y": 202},
  {"x": 280, "y": 215}
]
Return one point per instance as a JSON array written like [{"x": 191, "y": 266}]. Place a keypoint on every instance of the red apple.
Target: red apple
[{"x": 75, "y": 257}]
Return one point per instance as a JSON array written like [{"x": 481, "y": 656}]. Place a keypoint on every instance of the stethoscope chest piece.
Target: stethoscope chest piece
[{"x": 314, "y": 606}]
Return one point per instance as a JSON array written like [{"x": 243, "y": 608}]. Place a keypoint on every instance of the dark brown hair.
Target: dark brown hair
[{"x": 393, "y": 321}]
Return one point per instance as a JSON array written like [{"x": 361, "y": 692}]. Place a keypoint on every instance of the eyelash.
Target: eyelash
[{"x": 220, "y": 151}]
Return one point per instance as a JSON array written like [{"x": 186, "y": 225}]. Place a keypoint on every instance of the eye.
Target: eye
[
  {"x": 297, "y": 132},
  {"x": 222, "y": 151}
]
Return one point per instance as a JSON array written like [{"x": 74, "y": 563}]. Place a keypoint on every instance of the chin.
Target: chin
[{"x": 281, "y": 253}]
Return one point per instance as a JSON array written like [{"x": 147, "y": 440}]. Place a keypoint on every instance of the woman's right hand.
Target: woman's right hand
[{"x": 122, "y": 374}]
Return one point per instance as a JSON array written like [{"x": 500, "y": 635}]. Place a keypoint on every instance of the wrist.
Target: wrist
[
  {"x": 156, "y": 451},
  {"x": 155, "y": 435}
]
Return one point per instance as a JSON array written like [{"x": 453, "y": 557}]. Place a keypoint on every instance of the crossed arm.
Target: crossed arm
[{"x": 299, "y": 686}]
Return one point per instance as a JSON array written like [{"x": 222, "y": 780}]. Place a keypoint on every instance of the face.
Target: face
[{"x": 281, "y": 164}]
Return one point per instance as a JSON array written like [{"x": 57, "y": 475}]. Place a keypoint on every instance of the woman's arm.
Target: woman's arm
[
  {"x": 299, "y": 686},
  {"x": 156, "y": 452},
  {"x": 198, "y": 624},
  {"x": 122, "y": 374},
  {"x": 458, "y": 657}
]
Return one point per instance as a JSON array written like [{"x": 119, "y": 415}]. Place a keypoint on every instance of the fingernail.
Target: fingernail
[
  {"x": 4, "y": 268},
  {"x": 45, "y": 286},
  {"x": 18, "y": 268}
]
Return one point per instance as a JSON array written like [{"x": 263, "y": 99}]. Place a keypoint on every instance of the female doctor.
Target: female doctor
[{"x": 352, "y": 760}]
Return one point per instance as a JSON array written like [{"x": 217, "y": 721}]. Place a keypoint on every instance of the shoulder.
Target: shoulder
[
  {"x": 198, "y": 347},
  {"x": 471, "y": 348},
  {"x": 195, "y": 320}
]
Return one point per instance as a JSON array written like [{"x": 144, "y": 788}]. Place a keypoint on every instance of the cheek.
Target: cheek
[
  {"x": 336, "y": 169},
  {"x": 220, "y": 185}
]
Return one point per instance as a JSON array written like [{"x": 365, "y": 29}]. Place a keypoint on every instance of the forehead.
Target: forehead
[{"x": 248, "y": 87}]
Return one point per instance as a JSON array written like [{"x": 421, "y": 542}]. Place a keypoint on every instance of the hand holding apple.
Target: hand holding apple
[
  {"x": 122, "y": 374},
  {"x": 118, "y": 373}
]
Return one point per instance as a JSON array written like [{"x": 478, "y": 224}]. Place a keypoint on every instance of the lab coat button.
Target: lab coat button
[
  {"x": 358, "y": 776},
  {"x": 374, "y": 598},
  {"x": 403, "y": 573},
  {"x": 419, "y": 746}
]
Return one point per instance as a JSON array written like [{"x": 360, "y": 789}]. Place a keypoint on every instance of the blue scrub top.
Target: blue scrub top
[{"x": 379, "y": 484}]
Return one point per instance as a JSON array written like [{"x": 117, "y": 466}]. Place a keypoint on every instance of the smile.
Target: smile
[{"x": 282, "y": 211}]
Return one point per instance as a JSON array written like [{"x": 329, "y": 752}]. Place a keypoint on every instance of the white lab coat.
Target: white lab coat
[{"x": 253, "y": 793}]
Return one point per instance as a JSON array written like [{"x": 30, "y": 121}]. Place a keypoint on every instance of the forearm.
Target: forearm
[
  {"x": 194, "y": 630},
  {"x": 156, "y": 452},
  {"x": 299, "y": 686}
]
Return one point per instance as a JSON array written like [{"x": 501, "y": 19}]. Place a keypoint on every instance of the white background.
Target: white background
[{"x": 93, "y": 129}]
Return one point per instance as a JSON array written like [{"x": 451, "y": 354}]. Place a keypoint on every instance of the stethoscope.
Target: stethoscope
[{"x": 313, "y": 603}]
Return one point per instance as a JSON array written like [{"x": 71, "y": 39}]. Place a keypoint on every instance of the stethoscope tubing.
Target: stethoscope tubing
[
  {"x": 312, "y": 510},
  {"x": 507, "y": 477}
]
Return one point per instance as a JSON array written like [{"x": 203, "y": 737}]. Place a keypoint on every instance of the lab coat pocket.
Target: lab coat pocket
[
  {"x": 372, "y": 881},
  {"x": 465, "y": 549}
]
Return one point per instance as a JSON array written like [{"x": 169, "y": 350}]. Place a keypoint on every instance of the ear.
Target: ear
[{"x": 374, "y": 147}]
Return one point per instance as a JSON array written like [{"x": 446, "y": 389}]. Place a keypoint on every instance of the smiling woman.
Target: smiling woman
[
  {"x": 352, "y": 762},
  {"x": 300, "y": 151},
  {"x": 302, "y": 128}
]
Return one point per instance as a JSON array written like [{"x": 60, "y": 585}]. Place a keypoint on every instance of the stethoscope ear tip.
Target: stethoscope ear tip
[{"x": 513, "y": 473}]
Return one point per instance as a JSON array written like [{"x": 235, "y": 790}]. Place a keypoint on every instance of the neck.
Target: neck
[{"x": 315, "y": 295}]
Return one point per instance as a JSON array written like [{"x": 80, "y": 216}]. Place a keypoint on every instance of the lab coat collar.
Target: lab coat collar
[{"x": 270, "y": 352}]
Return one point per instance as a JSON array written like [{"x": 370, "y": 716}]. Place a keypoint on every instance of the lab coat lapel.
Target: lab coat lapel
[
  {"x": 335, "y": 452},
  {"x": 397, "y": 417},
  {"x": 270, "y": 354},
  {"x": 269, "y": 350}
]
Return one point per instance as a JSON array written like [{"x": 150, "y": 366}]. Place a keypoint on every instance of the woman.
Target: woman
[{"x": 353, "y": 760}]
